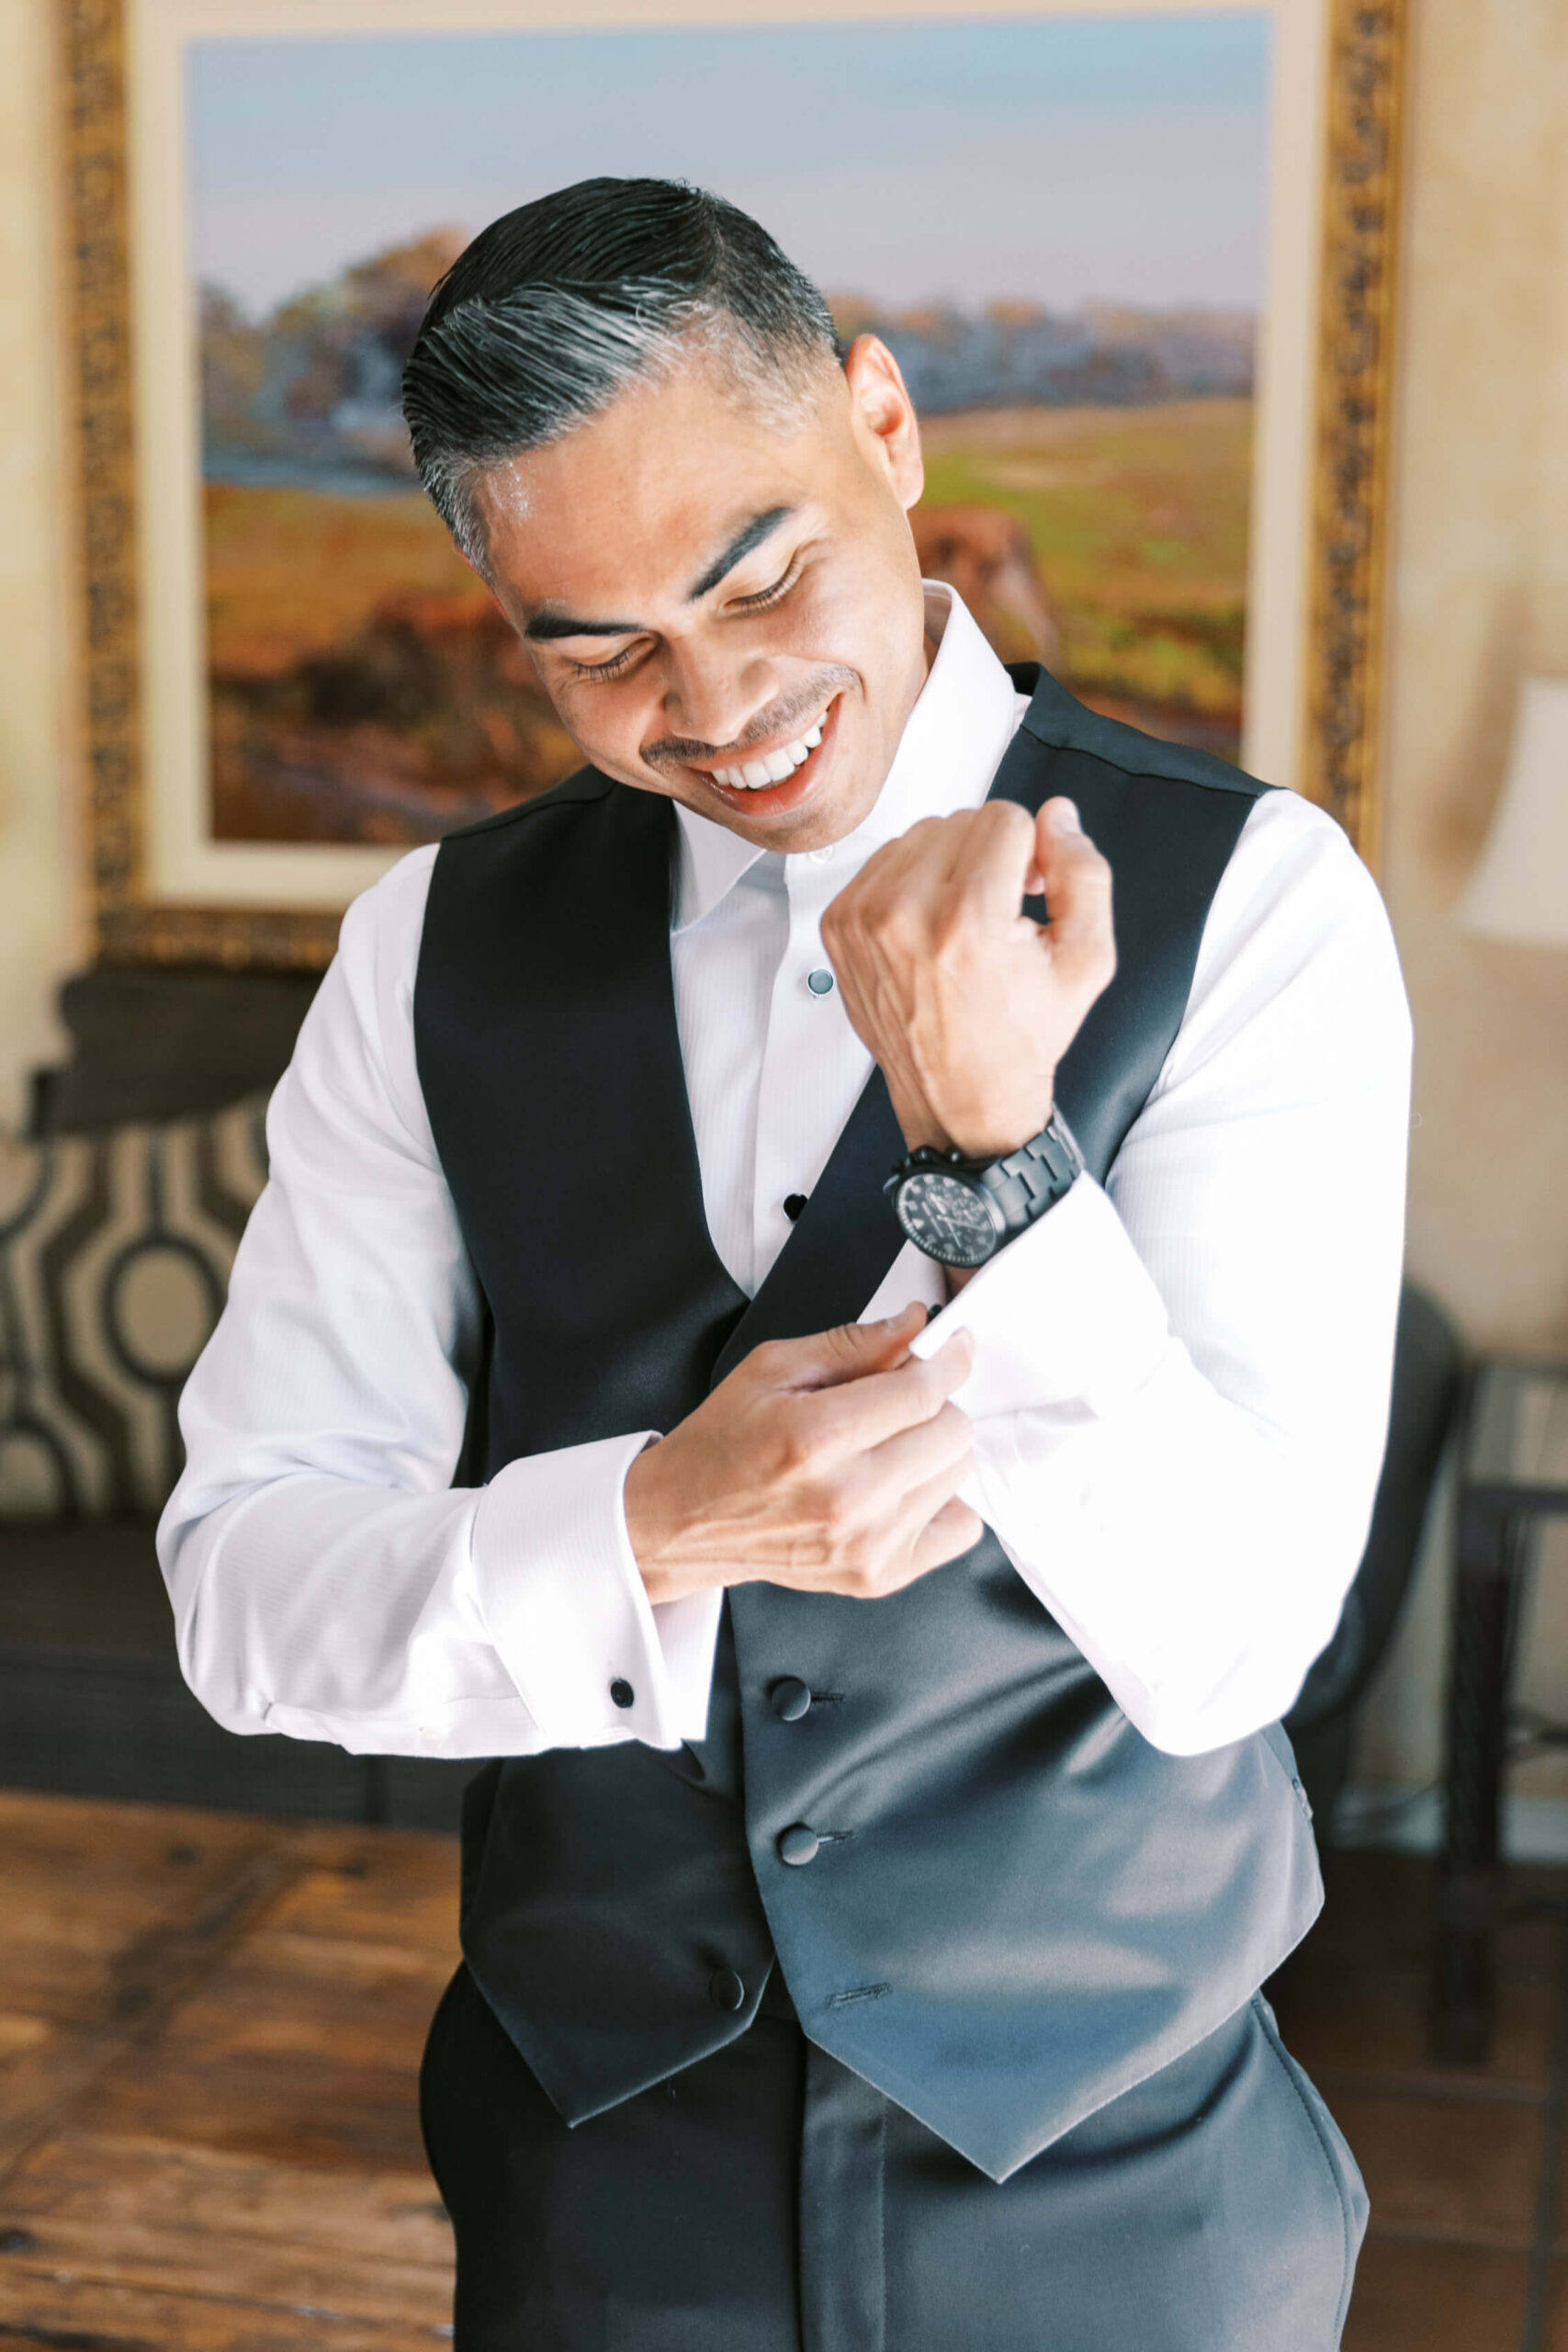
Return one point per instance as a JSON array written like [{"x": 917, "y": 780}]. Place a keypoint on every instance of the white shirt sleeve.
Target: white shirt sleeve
[
  {"x": 327, "y": 1579},
  {"x": 1181, "y": 1386}
]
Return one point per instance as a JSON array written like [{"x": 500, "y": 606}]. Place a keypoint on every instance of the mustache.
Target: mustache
[{"x": 806, "y": 703}]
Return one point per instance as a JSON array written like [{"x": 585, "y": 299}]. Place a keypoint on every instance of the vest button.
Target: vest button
[
  {"x": 726, "y": 1990},
  {"x": 798, "y": 1845},
  {"x": 790, "y": 1700}
]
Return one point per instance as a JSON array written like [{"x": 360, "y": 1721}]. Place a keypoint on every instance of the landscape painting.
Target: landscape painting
[{"x": 1060, "y": 224}]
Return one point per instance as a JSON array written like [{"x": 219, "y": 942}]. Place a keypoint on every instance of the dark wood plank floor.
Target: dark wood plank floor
[
  {"x": 210, "y": 2027},
  {"x": 1468, "y": 2246},
  {"x": 209, "y": 2031}
]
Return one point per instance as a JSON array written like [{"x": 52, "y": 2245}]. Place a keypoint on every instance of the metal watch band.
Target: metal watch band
[
  {"x": 1035, "y": 1177},
  {"x": 1019, "y": 1188}
]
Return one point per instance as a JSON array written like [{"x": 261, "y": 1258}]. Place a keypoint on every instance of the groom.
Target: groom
[{"x": 856, "y": 1379}]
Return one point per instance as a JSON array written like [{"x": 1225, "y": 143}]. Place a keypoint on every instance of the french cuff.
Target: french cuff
[
  {"x": 1067, "y": 1314},
  {"x": 566, "y": 1608}
]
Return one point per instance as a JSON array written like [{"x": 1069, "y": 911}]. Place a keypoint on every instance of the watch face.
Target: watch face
[{"x": 947, "y": 1218}]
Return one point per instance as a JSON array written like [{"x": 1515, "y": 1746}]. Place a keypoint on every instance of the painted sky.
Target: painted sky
[{"x": 1055, "y": 160}]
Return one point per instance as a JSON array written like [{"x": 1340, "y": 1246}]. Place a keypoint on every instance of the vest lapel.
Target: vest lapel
[{"x": 844, "y": 1243}]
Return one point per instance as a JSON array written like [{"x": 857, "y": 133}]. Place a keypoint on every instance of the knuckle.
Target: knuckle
[
  {"x": 957, "y": 1428},
  {"x": 796, "y": 1449},
  {"x": 874, "y": 1575}
]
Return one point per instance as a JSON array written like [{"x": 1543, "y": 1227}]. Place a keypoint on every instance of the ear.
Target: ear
[{"x": 884, "y": 415}]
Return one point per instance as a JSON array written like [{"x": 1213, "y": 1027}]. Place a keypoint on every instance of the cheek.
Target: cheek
[{"x": 608, "y": 722}]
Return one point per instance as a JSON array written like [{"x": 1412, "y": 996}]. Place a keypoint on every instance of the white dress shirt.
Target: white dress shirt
[{"x": 1181, "y": 1380}]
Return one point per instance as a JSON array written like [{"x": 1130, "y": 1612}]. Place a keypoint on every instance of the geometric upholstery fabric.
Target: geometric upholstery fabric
[{"x": 115, "y": 1252}]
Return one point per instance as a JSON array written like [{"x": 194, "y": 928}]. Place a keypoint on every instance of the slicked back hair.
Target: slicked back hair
[{"x": 558, "y": 307}]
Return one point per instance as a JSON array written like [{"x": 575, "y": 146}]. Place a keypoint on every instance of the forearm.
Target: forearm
[
  {"x": 475, "y": 1621},
  {"x": 1183, "y": 1382},
  {"x": 1198, "y": 1557},
  {"x": 326, "y": 1578}
]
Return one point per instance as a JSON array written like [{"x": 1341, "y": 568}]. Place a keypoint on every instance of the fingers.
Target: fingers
[
  {"x": 897, "y": 1514},
  {"x": 1076, "y": 882},
  {"x": 849, "y": 1351},
  {"x": 937, "y": 1451},
  {"x": 864, "y": 1414},
  {"x": 995, "y": 856},
  {"x": 947, "y": 1535}
]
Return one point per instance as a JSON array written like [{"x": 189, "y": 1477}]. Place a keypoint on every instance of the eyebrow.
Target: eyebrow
[
  {"x": 752, "y": 535},
  {"x": 548, "y": 625}
]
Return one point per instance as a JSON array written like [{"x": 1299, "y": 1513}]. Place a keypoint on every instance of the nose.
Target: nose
[{"x": 713, "y": 694}]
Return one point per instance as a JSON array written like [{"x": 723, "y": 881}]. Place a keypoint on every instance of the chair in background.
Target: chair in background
[{"x": 1429, "y": 1382}]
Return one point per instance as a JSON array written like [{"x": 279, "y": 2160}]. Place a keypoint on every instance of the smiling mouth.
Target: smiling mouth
[
  {"x": 774, "y": 783},
  {"x": 774, "y": 767}
]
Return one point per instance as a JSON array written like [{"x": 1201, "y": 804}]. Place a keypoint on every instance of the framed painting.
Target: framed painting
[{"x": 1134, "y": 257}]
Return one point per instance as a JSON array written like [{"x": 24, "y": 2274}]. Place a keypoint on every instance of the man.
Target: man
[{"x": 863, "y": 1922}]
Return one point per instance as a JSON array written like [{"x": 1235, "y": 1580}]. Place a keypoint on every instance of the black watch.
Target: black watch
[{"x": 961, "y": 1211}]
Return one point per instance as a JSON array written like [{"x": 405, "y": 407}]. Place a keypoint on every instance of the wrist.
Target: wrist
[
  {"x": 978, "y": 1135},
  {"x": 961, "y": 1209},
  {"x": 654, "y": 1528}
]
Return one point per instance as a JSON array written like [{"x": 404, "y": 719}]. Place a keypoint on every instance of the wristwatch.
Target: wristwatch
[{"x": 961, "y": 1211}]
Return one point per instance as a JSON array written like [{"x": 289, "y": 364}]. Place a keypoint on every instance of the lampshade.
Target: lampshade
[{"x": 1519, "y": 887}]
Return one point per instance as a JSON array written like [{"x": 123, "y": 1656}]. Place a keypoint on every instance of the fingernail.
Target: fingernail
[{"x": 1062, "y": 817}]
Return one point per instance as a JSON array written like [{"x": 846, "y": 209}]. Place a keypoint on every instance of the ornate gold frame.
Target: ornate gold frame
[
  {"x": 1360, "y": 246},
  {"x": 1343, "y": 654}
]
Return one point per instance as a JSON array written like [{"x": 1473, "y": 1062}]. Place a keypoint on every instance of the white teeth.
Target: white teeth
[{"x": 773, "y": 768}]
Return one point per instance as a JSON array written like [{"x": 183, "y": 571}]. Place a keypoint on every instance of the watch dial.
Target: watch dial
[{"x": 946, "y": 1218}]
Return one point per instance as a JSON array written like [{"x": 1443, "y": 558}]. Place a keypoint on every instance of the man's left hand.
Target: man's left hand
[{"x": 968, "y": 1006}]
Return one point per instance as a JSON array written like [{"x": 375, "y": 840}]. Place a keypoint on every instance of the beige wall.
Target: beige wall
[
  {"x": 39, "y": 860},
  {"x": 1480, "y": 597}
]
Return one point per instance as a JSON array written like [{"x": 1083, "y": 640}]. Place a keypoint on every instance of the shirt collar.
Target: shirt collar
[{"x": 952, "y": 745}]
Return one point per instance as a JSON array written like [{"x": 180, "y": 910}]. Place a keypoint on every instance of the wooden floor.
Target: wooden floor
[
  {"x": 1468, "y": 2246},
  {"x": 210, "y": 2028}
]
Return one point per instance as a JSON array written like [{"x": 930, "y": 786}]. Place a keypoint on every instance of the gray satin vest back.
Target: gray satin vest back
[{"x": 1018, "y": 1907}]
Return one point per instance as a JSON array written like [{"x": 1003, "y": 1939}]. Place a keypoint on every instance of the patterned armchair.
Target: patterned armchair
[{"x": 119, "y": 1217}]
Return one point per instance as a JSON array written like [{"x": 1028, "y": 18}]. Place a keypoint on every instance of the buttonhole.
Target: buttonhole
[
  {"x": 827, "y": 1698},
  {"x": 834, "y": 1837},
  {"x": 859, "y": 1993}
]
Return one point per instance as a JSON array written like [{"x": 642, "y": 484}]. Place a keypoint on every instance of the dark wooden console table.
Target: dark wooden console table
[{"x": 1513, "y": 1474}]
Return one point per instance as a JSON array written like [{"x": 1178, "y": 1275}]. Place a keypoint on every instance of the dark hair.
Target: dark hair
[{"x": 556, "y": 307}]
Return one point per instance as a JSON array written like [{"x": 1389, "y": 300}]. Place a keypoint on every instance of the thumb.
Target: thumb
[
  {"x": 850, "y": 1351},
  {"x": 1076, "y": 883}
]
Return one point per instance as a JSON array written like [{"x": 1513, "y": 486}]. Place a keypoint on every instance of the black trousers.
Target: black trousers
[{"x": 768, "y": 2201}]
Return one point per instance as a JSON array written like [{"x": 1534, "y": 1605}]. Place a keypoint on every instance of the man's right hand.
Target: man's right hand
[{"x": 831, "y": 1465}]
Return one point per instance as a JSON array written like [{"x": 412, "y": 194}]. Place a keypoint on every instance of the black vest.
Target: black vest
[{"x": 1020, "y": 1907}]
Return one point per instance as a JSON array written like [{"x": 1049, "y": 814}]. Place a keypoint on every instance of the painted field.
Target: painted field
[
  {"x": 364, "y": 687},
  {"x": 1137, "y": 520}
]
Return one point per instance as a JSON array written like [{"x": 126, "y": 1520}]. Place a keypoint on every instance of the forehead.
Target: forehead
[{"x": 637, "y": 501}]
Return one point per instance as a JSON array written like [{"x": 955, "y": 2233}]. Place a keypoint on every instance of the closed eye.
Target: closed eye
[
  {"x": 767, "y": 595},
  {"x": 605, "y": 669}
]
